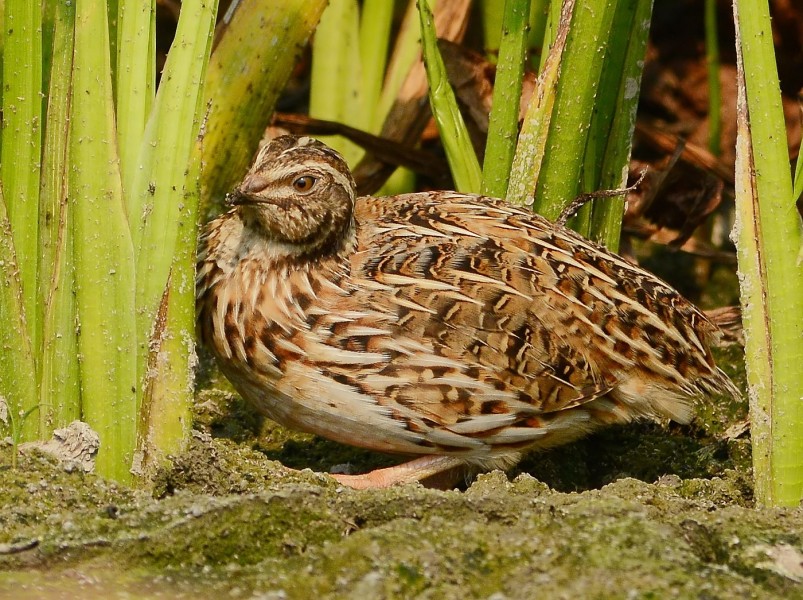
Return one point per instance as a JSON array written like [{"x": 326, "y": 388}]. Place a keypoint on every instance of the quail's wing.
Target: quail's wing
[{"x": 531, "y": 308}]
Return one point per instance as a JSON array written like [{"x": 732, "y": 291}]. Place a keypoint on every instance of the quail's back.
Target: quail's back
[{"x": 437, "y": 323}]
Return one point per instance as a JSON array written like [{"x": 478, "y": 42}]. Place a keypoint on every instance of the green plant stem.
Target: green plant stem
[
  {"x": 797, "y": 190},
  {"x": 334, "y": 90},
  {"x": 503, "y": 126},
  {"x": 454, "y": 135},
  {"x": 404, "y": 56},
  {"x": 248, "y": 70},
  {"x": 161, "y": 179},
  {"x": 768, "y": 239},
  {"x": 104, "y": 256},
  {"x": 22, "y": 144},
  {"x": 615, "y": 117},
  {"x": 405, "y": 53},
  {"x": 166, "y": 413},
  {"x": 529, "y": 157},
  {"x": 539, "y": 10},
  {"x": 581, "y": 65},
  {"x": 375, "y": 22},
  {"x": 168, "y": 238},
  {"x": 493, "y": 14},
  {"x": 17, "y": 369},
  {"x": 59, "y": 380},
  {"x": 135, "y": 77},
  {"x": 113, "y": 14},
  {"x": 554, "y": 17}
]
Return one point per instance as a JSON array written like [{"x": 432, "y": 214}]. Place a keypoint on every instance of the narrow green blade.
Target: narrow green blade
[
  {"x": 451, "y": 126},
  {"x": 581, "y": 65},
  {"x": 614, "y": 118},
  {"x": 529, "y": 156}
]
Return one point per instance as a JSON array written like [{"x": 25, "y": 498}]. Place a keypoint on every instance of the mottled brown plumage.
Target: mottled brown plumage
[{"x": 441, "y": 324}]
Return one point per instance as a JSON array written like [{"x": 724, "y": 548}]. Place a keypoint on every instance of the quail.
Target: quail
[{"x": 455, "y": 328}]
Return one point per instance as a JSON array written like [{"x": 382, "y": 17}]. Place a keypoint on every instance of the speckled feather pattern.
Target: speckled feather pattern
[{"x": 435, "y": 323}]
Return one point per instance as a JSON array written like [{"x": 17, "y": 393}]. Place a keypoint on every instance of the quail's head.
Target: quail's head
[{"x": 299, "y": 194}]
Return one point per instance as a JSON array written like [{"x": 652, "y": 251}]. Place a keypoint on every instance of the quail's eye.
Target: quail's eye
[{"x": 304, "y": 183}]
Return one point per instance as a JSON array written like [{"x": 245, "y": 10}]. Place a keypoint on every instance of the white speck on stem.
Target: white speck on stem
[{"x": 631, "y": 88}]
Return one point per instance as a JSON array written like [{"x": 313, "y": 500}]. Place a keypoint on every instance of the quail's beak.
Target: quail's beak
[
  {"x": 237, "y": 199},
  {"x": 248, "y": 191}
]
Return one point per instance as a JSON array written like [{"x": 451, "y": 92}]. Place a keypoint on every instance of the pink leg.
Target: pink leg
[{"x": 414, "y": 470}]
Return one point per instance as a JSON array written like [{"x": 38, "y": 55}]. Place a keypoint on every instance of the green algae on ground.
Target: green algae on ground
[{"x": 299, "y": 534}]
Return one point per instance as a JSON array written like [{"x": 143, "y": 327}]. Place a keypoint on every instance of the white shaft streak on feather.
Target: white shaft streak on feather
[
  {"x": 275, "y": 309},
  {"x": 582, "y": 316},
  {"x": 424, "y": 284},
  {"x": 561, "y": 255},
  {"x": 539, "y": 241},
  {"x": 354, "y": 315},
  {"x": 592, "y": 289},
  {"x": 480, "y": 424},
  {"x": 372, "y": 285},
  {"x": 389, "y": 344},
  {"x": 379, "y": 382},
  {"x": 380, "y": 231},
  {"x": 254, "y": 287},
  {"x": 515, "y": 435},
  {"x": 458, "y": 230},
  {"x": 285, "y": 344},
  {"x": 567, "y": 259},
  {"x": 695, "y": 339},
  {"x": 364, "y": 330},
  {"x": 456, "y": 381},
  {"x": 573, "y": 300},
  {"x": 405, "y": 303},
  {"x": 461, "y": 297},
  {"x": 265, "y": 360},
  {"x": 421, "y": 231},
  {"x": 288, "y": 301},
  {"x": 219, "y": 320},
  {"x": 447, "y": 438},
  {"x": 429, "y": 360},
  {"x": 500, "y": 285},
  {"x": 409, "y": 231},
  {"x": 324, "y": 353},
  {"x": 302, "y": 280}
]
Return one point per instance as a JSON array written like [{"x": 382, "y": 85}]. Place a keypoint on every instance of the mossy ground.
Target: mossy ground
[{"x": 643, "y": 511}]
